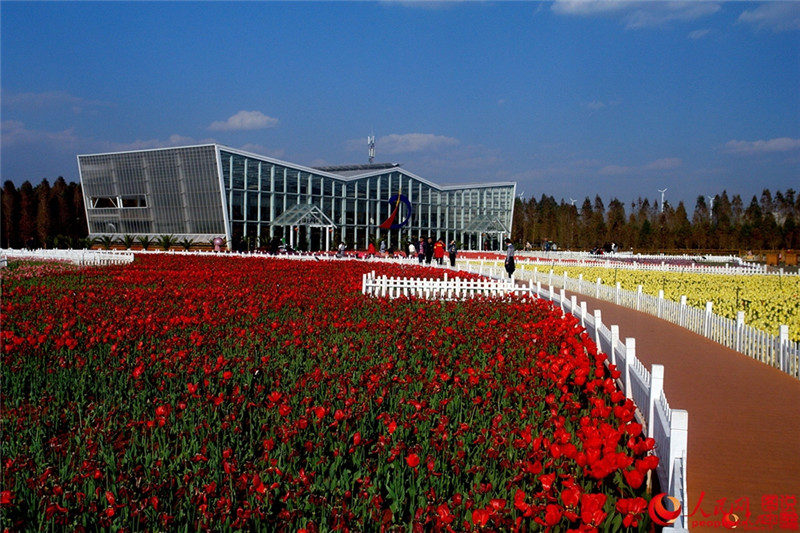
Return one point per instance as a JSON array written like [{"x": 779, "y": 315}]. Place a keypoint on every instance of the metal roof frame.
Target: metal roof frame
[
  {"x": 304, "y": 215},
  {"x": 485, "y": 224},
  {"x": 311, "y": 170}
]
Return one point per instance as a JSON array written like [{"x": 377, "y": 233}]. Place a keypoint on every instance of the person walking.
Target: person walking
[
  {"x": 510, "y": 266},
  {"x": 383, "y": 248},
  {"x": 412, "y": 251},
  {"x": 342, "y": 248},
  {"x": 421, "y": 250},
  {"x": 438, "y": 251},
  {"x": 429, "y": 251},
  {"x": 452, "y": 250}
]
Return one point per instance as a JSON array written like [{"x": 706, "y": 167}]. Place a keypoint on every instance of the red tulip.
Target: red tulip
[
  {"x": 480, "y": 517},
  {"x": 592, "y": 509},
  {"x": 497, "y": 504},
  {"x": 444, "y": 514},
  {"x": 552, "y": 514},
  {"x": 634, "y": 478}
]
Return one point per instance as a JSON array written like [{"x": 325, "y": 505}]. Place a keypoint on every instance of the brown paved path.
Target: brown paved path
[{"x": 744, "y": 416}]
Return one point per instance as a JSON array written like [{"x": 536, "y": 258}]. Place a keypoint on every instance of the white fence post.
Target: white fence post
[
  {"x": 707, "y": 320},
  {"x": 614, "y": 341},
  {"x": 656, "y": 387},
  {"x": 679, "y": 427},
  {"x": 660, "y": 302},
  {"x": 598, "y": 321},
  {"x": 616, "y": 297},
  {"x": 638, "y": 298},
  {"x": 597, "y": 288},
  {"x": 682, "y": 322},
  {"x": 739, "y": 329},
  {"x": 784, "y": 347},
  {"x": 630, "y": 353}
]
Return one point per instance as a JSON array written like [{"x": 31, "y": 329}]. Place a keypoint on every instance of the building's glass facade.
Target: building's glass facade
[
  {"x": 153, "y": 192},
  {"x": 208, "y": 191}
]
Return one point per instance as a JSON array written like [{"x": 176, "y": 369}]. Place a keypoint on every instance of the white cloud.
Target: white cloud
[
  {"x": 245, "y": 120},
  {"x": 635, "y": 14},
  {"x": 666, "y": 163},
  {"x": 698, "y": 34},
  {"x": 406, "y": 143},
  {"x": 471, "y": 159},
  {"x": 14, "y": 133},
  {"x": 561, "y": 171},
  {"x": 780, "y": 144},
  {"x": 146, "y": 144},
  {"x": 589, "y": 7},
  {"x": 596, "y": 105},
  {"x": 775, "y": 16},
  {"x": 49, "y": 99},
  {"x": 424, "y": 4},
  {"x": 260, "y": 149},
  {"x": 616, "y": 170}
]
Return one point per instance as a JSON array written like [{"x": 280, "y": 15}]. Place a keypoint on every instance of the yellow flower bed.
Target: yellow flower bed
[{"x": 768, "y": 301}]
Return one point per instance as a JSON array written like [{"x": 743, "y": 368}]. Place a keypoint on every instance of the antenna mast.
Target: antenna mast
[{"x": 371, "y": 144}]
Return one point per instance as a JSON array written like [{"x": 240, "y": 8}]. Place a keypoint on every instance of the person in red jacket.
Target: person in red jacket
[{"x": 438, "y": 251}]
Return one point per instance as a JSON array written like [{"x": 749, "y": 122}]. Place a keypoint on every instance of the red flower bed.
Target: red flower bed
[{"x": 227, "y": 393}]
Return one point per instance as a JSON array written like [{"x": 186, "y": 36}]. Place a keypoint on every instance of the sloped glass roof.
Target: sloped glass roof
[
  {"x": 486, "y": 224},
  {"x": 304, "y": 215}
]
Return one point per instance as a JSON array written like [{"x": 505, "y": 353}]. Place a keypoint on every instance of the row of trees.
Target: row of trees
[
  {"x": 768, "y": 222},
  {"x": 54, "y": 217},
  {"x": 43, "y": 216}
]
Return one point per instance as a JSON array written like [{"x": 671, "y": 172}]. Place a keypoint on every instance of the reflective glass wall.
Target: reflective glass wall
[
  {"x": 176, "y": 191},
  {"x": 173, "y": 191},
  {"x": 258, "y": 191}
]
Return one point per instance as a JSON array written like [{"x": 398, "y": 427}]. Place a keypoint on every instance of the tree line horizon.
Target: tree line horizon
[
  {"x": 768, "y": 222},
  {"x": 45, "y": 216}
]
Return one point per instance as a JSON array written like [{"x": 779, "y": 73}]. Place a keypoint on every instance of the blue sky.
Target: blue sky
[{"x": 569, "y": 99}]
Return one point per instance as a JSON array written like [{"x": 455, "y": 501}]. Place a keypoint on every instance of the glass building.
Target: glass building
[{"x": 203, "y": 192}]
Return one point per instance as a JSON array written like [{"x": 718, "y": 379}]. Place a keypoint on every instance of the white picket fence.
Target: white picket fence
[
  {"x": 669, "y": 427},
  {"x": 777, "y": 351},
  {"x": 635, "y": 256},
  {"x": 727, "y": 265},
  {"x": 76, "y": 257}
]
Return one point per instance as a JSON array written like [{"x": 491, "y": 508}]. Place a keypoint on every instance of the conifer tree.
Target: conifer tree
[
  {"x": 27, "y": 217},
  {"x": 44, "y": 221},
  {"x": 10, "y": 219}
]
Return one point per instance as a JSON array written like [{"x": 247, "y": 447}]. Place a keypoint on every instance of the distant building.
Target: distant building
[{"x": 208, "y": 191}]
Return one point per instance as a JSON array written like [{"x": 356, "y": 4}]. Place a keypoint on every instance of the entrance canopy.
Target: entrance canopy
[
  {"x": 486, "y": 224},
  {"x": 304, "y": 215}
]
